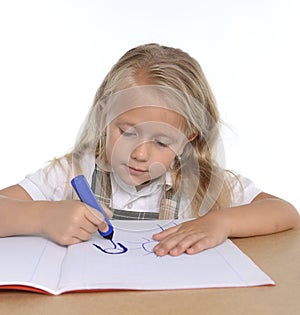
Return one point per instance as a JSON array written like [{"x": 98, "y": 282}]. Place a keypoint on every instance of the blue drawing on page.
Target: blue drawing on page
[
  {"x": 146, "y": 244},
  {"x": 117, "y": 248}
]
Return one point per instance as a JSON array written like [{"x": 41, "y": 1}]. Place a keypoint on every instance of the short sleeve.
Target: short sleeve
[
  {"x": 52, "y": 183},
  {"x": 49, "y": 183},
  {"x": 243, "y": 190}
]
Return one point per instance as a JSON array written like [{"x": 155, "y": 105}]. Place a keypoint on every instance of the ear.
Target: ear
[
  {"x": 188, "y": 140},
  {"x": 193, "y": 136}
]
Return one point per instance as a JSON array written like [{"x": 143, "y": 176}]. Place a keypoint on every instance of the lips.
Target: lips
[{"x": 136, "y": 171}]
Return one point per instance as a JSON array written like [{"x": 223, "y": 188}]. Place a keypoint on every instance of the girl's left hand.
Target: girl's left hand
[{"x": 192, "y": 236}]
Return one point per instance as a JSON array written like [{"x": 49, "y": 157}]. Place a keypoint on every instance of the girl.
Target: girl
[{"x": 150, "y": 149}]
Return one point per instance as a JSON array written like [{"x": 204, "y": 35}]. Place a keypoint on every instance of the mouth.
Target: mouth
[{"x": 136, "y": 171}]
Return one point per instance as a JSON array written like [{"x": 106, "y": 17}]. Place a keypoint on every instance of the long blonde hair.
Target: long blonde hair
[{"x": 156, "y": 65}]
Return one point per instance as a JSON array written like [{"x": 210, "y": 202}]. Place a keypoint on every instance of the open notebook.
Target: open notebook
[{"x": 127, "y": 263}]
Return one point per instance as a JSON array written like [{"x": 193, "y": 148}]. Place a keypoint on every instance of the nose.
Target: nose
[{"x": 141, "y": 152}]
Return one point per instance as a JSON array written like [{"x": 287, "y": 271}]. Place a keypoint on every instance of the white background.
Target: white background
[{"x": 54, "y": 55}]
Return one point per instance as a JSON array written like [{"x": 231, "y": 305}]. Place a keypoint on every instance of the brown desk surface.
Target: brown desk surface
[{"x": 278, "y": 255}]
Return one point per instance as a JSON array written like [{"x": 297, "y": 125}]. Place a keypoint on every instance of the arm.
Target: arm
[
  {"x": 266, "y": 214},
  {"x": 66, "y": 222}
]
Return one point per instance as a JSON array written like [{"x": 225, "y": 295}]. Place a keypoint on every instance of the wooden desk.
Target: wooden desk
[{"x": 278, "y": 255}]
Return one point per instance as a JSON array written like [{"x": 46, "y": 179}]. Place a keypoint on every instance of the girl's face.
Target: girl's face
[{"x": 142, "y": 143}]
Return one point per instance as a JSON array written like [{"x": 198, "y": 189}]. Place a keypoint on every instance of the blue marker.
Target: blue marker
[{"x": 86, "y": 195}]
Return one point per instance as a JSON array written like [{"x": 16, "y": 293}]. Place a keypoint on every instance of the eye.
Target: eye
[
  {"x": 127, "y": 132},
  {"x": 162, "y": 143}
]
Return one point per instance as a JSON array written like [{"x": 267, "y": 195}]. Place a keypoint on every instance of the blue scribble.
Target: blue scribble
[
  {"x": 115, "y": 250},
  {"x": 119, "y": 248},
  {"x": 144, "y": 246}
]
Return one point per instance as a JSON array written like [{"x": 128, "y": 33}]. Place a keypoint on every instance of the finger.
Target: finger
[
  {"x": 167, "y": 244},
  {"x": 96, "y": 212},
  {"x": 97, "y": 218},
  {"x": 103, "y": 226},
  {"x": 176, "y": 244},
  {"x": 199, "y": 246},
  {"x": 74, "y": 240},
  {"x": 89, "y": 226},
  {"x": 188, "y": 245},
  {"x": 107, "y": 210},
  {"x": 66, "y": 240},
  {"x": 71, "y": 241},
  {"x": 93, "y": 215},
  {"x": 161, "y": 235},
  {"x": 82, "y": 235}
]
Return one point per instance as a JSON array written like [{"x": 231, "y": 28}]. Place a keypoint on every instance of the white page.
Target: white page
[
  {"x": 30, "y": 260},
  {"x": 86, "y": 267}
]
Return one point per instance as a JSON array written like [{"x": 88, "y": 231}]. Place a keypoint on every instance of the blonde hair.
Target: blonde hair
[{"x": 156, "y": 65}]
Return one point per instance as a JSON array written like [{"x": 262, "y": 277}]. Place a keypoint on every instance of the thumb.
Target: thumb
[
  {"x": 103, "y": 226},
  {"x": 107, "y": 210},
  {"x": 100, "y": 220},
  {"x": 96, "y": 213}
]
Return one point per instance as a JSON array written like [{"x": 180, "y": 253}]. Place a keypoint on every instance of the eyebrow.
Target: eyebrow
[
  {"x": 125, "y": 124},
  {"x": 166, "y": 135}
]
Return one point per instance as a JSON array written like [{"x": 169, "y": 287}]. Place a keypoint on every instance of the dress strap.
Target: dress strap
[{"x": 101, "y": 187}]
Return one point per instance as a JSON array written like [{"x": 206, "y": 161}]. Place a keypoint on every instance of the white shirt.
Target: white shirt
[
  {"x": 147, "y": 199},
  {"x": 53, "y": 185}
]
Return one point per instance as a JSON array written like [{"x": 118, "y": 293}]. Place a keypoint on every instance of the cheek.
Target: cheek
[
  {"x": 157, "y": 169},
  {"x": 168, "y": 158},
  {"x": 161, "y": 163},
  {"x": 116, "y": 148},
  {"x": 111, "y": 139}
]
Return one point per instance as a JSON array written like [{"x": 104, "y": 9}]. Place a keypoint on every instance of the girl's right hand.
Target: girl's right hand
[{"x": 70, "y": 222}]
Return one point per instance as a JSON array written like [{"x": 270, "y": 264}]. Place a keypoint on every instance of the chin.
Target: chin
[{"x": 128, "y": 180}]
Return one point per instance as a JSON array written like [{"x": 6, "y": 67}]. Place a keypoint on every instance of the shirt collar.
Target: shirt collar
[{"x": 148, "y": 189}]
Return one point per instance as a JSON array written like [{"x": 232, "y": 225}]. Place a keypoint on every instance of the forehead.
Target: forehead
[
  {"x": 148, "y": 114},
  {"x": 146, "y": 102}
]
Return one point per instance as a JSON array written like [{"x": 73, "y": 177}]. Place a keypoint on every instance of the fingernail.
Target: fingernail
[
  {"x": 174, "y": 251},
  {"x": 104, "y": 227},
  {"x": 159, "y": 251}
]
